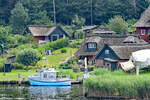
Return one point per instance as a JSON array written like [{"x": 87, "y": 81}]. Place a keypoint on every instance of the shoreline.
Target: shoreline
[{"x": 27, "y": 82}]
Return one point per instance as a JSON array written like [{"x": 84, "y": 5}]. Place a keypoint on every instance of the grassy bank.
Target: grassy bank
[
  {"x": 58, "y": 57},
  {"x": 118, "y": 83},
  {"x": 13, "y": 76}
]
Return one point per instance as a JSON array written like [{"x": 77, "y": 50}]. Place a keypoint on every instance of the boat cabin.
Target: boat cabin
[{"x": 50, "y": 74}]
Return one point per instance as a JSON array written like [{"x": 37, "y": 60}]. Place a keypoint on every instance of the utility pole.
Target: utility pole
[
  {"x": 91, "y": 12},
  {"x": 54, "y": 8}
]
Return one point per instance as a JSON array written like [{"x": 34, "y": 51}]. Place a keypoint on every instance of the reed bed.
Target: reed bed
[{"x": 118, "y": 83}]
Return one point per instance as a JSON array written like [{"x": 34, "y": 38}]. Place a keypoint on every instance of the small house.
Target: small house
[
  {"x": 44, "y": 33},
  {"x": 143, "y": 25},
  {"x": 93, "y": 45},
  {"x": 111, "y": 55},
  {"x": 89, "y": 48}
]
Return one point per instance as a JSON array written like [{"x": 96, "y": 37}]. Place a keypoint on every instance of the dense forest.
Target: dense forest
[
  {"x": 39, "y": 11},
  {"x": 17, "y": 14}
]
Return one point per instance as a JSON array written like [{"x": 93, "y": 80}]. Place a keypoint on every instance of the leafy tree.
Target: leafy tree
[
  {"x": 117, "y": 24},
  {"x": 44, "y": 20},
  {"x": 131, "y": 22},
  {"x": 28, "y": 57},
  {"x": 78, "y": 21},
  {"x": 4, "y": 37},
  {"x": 3, "y": 34},
  {"x": 36, "y": 11},
  {"x": 19, "y": 18}
]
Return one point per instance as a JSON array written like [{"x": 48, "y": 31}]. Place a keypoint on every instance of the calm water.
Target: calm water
[{"x": 75, "y": 92}]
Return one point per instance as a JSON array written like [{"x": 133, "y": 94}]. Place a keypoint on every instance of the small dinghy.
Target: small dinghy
[{"x": 48, "y": 78}]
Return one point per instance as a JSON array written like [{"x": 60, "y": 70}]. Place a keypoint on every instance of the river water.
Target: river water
[{"x": 74, "y": 92}]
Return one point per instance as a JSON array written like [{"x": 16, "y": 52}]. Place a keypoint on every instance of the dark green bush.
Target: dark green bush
[
  {"x": 58, "y": 44},
  {"x": 17, "y": 66},
  {"x": 148, "y": 37},
  {"x": 35, "y": 45},
  {"x": 63, "y": 50},
  {"x": 23, "y": 39},
  {"x": 28, "y": 57}
]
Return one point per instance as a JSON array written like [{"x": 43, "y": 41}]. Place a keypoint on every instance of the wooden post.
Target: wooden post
[
  {"x": 19, "y": 79},
  {"x": 137, "y": 70},
  {"x": 77, "y": 77}
]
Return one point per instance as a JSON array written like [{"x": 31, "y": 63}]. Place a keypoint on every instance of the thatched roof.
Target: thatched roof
[
  {"x": 43, "y": 30},
  {"x": 134, "y": 39},
  {"x": 101, "y": 41},
  {"x": 82, "y": 51},
  {"x": 86, "y": 28},
  {"x": 144, "y": 21},
  {"x": 125, "y": 51},
  {"x": 101, "y": 30}
]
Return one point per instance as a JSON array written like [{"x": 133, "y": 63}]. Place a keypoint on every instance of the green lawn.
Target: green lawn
[
  {"x": 14, "y": 75},
  {"x": 58, "y": 57}
]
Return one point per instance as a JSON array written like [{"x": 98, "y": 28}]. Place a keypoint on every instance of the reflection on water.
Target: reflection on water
[
  {"x": 50, "y": 92},
  {"x": 75, "y": 92}
]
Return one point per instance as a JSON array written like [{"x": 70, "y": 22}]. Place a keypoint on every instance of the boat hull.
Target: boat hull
[{"x": 49, "y": 83}]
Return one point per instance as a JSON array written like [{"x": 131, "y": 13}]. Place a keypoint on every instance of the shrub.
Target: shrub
[
  {"x": 148, "y": 37},
  {"x": 28, "y": 57},
  {"x": 58, "y": 44},
  {"x": 23, "y": 39},
  {"x": 63, "y": 50},
  {"x": 76, "y": 43},
  {"x": 17, "y": 66},
  {"x": 53, "y": 45}
]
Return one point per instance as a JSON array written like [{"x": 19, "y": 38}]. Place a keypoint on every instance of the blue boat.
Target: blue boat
[{"x": 48, "y": 78}]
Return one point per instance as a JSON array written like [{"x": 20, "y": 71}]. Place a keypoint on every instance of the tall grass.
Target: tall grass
[
  {"x": 119, "y": 83},
  {"x": 70, "y": 72}
]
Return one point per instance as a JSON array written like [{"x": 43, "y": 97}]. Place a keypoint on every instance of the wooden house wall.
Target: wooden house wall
[
  {"x": 59, "y": 32},
  {"x": 100, "y": 62},
  {"x": 37, "y": 38},
  {"x": 102, "y": 55},
  {"x": 111, "y": 54},
  {"x": 144, "y": 37}
]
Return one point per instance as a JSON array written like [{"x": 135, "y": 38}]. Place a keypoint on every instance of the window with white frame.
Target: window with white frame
[
  {"x": 92, "y": 46},
  {"x": 143, "y": 32},
  {"x": 106, "y": 51}
]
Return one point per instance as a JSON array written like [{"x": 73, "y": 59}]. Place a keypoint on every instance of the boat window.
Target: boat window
[
  {"x": 51, "y": 77},
  {"x": 45, "y": 76}
]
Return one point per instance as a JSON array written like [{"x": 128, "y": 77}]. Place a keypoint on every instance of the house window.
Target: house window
[
  {"x": 92, "y": 46},
  {"x": 106, "y": 51},
  {"x": 143, "y": 32}
]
